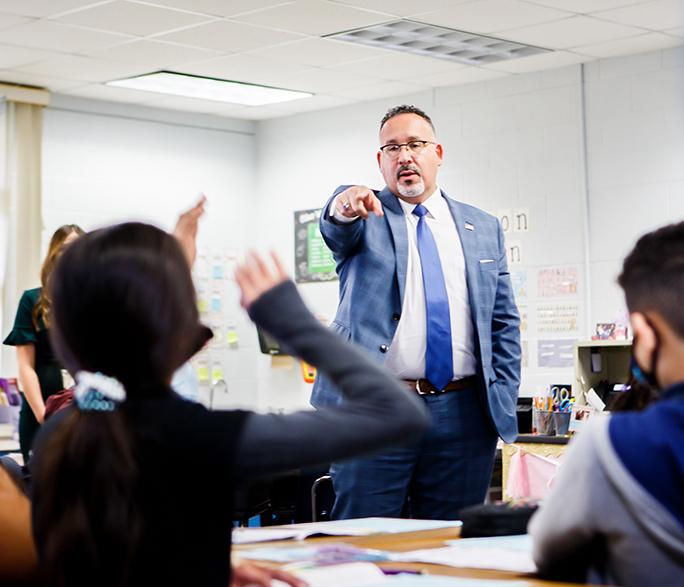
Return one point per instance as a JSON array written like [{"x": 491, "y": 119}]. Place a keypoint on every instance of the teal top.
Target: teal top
[{"x": 24, "y": 332}]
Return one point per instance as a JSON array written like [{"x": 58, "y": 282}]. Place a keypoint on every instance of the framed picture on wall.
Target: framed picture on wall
[{"x": 313, "y": 260}]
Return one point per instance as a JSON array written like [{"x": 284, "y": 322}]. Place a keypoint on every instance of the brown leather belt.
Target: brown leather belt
[{"x": 424, "y": 387}]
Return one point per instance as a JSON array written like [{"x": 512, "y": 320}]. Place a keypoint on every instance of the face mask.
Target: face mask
[
  {"x": 641, "y": 376},
  {"x": 645, "y": 378}
]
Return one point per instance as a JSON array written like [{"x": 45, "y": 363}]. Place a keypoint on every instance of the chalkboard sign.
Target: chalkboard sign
[{"x": 313, "y": 260}]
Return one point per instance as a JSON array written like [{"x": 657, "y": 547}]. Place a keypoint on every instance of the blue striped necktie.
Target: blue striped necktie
[{"x": 439, "y": 364}]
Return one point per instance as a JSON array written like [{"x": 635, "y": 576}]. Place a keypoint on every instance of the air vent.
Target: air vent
[{"x": 437, "y": 41}]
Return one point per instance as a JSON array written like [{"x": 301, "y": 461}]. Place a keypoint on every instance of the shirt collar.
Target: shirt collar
[{"x": 435, "y": 204}]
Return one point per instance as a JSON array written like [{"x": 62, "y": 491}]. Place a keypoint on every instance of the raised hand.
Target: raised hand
[
  {"x": 255, "y": 277},
  {"x": 186, "y": 229}
]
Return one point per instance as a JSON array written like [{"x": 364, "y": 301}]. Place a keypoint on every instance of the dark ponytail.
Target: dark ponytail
[
  {"x": 88, "y": 525},
  {"x": 123, "y": 305}
]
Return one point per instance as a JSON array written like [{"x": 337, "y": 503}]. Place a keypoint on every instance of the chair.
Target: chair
[{"x": 321, "y": 504}]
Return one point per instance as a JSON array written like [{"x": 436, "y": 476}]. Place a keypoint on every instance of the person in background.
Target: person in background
[
  {"x": 40, "y": 373},
  {"x": 424, "y": 290},
  {"x": 111, "y": 505},
  {"x": 616, "y": 513}
]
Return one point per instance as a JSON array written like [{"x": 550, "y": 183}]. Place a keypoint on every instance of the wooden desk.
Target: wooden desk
[{"x": 412, "y": 541}]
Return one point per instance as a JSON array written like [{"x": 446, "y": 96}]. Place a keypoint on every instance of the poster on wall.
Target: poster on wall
[
  {"x": 313, "y": 260},
  {"x": 557, "y": 282},
  {"x": 558, "y": 318},
  {"x": 555, "y": 354}
]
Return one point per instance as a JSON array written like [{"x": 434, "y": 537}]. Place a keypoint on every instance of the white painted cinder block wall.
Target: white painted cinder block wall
[
  {"x": 513, "y": 142},
  {"x": 635, "y": 142}
]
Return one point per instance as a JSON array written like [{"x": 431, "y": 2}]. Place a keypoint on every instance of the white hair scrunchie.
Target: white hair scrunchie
[{"x": 96, "y": 392}]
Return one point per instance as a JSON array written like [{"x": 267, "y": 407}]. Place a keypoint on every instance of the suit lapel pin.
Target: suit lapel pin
[{"x": 469, "y": 226}]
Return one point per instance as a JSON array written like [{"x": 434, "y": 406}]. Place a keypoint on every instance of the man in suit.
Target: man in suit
[{"x": 424, "y": 287}]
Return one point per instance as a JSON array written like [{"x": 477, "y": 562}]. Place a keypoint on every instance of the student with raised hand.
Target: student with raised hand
[
  {"x": 114, "y": 500},
  {"x": 616, "y": 514},
  {"x": 40, "y": 375}
]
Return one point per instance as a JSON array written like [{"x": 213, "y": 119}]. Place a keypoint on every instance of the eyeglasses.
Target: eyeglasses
[{"x": 393, "y": 149}]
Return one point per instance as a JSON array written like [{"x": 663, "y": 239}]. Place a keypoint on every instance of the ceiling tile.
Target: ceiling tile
[
  {"x": 154, "y": 54},
  {"x": 10, "y": 20},
  {"x": 570, "y": 32},
  {"x": 399, "y": 66},
  {"x": 16, "y": 56},
  {"x": 658, "y": 15},
  {"x": 42, "y": 8},
  {"x": 313, "y": 17},
  {"x": 584, "y": 6},
  {"x": 112, "y": 94},
  {"x": 234, "y": 37},
  {"x": 401, "y": 7},
  {"x": 84, "y": 68},
  {"x": 218, "y": 7},
  {"x": 319, "y": 52},
  {"x": 381, "y": 90},
  {"x": 325, "y": 81},
  {"x": 539, "y": 62},
  {"x": 489, "y": 16},
  {"x": 319, "y": 102},
  {"x": 467, "y": 75},
  {"x": 54, "y": 84},
  {"x": 255, "y": 112},
  {"x": 630, "y": 45},
  {"x": 249, "y": 69},
  {"x": 131, "y": 18},
  {"x": 43, "y": 34}
]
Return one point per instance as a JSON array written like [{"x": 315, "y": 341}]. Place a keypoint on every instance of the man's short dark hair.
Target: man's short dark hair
[
  {"x": 405, "y": 109},
  {"x": 653, "y": 275}
]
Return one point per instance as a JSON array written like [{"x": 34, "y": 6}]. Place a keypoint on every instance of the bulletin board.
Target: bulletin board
[{"x": 313, "y": 260}]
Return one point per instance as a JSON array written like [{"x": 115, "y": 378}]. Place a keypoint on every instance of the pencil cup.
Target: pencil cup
[
  {"x": 542, "y": 422},
  {"x": 561, "y": 422}
]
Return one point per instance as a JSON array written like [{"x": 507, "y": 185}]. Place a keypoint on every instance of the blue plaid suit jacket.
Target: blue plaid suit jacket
[{"x": 372, "y": 257}]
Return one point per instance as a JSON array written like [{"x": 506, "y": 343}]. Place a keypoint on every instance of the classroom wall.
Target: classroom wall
[
  {"x": 635, "y": 142},
  {"x": 105, "y": 163}
]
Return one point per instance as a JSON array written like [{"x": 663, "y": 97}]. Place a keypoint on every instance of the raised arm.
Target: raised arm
[{"x": 378, "y": 410}]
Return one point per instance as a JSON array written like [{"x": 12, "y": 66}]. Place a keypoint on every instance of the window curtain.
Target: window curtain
[{"x": 21, "y": 222}]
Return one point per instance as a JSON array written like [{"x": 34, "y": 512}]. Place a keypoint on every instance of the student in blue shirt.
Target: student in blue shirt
[{"x": 616, "y": 514}]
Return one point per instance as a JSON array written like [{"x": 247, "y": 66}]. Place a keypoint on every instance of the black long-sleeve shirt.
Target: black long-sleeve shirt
[{"x": 189, "y": 458}]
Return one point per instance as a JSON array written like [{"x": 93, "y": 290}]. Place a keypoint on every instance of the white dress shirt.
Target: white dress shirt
[{"x": 406, "y": 355}]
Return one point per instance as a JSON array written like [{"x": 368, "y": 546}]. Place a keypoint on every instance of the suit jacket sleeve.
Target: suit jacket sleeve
[
  {"x": 505, "y": 331},
  {"x": 342, "y": 239}
]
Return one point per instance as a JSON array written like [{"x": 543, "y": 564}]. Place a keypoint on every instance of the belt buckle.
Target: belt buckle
[{"x": 421, "y": 392}]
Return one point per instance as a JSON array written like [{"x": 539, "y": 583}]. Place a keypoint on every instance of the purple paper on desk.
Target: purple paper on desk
[{"x": 327, "y": 554}]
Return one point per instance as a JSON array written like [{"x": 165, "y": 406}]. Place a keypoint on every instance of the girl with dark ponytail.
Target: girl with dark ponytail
[{"x": 133, "y": 485}]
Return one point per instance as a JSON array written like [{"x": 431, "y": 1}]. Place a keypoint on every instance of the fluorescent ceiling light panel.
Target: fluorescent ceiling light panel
[
  {"x": 207, "y": 88},
  {"x": 436, "y": 41}
]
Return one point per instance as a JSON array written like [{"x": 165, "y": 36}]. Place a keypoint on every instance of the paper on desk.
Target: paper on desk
[
  {"x": 327, "y": 553},
  {"x": 504, "y": 553},
  {"x": 252, "y": 535},
  {"x": 520, "y": 542},
  {"x": 443, "y": 581},
  {"x": 357, "y": 574},
  {"x": 368, "y": 575},
  {"x": 356, "y": 527},
  {"x": 367, "y": 526}
]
